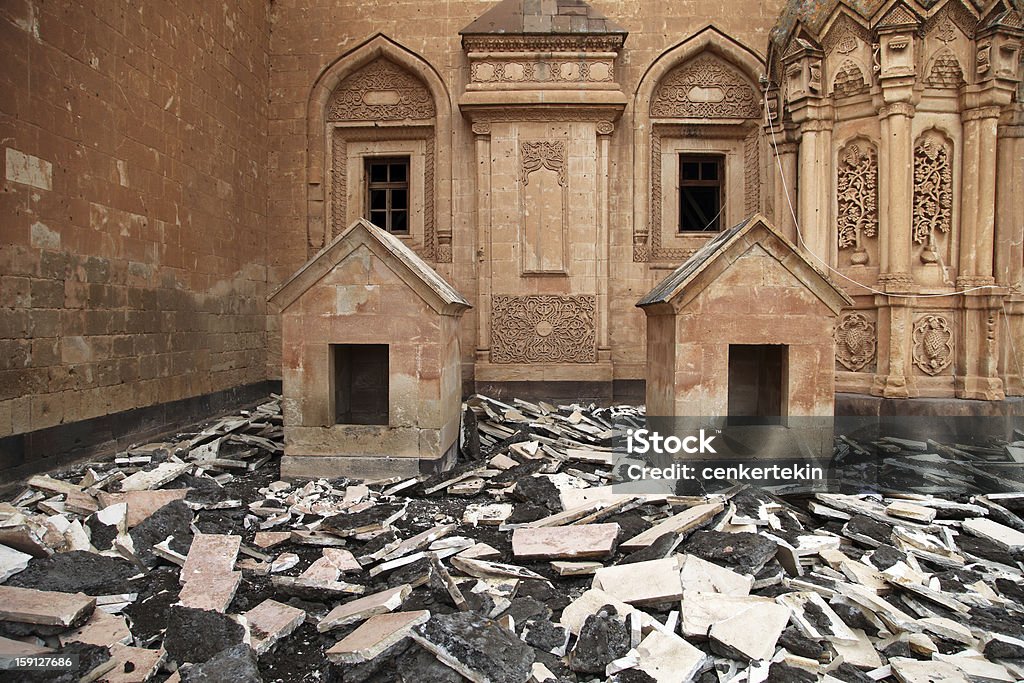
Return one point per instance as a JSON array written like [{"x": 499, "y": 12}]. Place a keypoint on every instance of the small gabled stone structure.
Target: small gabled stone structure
[
  {"x": 371, "y": 365},
  {"x": 743, "y": 328}
]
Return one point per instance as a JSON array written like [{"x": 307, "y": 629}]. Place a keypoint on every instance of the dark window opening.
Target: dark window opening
[
  {"x": 757, "y": 380},
  {"x": 701, "y": 189},
  {"x": 360, "y": 383},
  {"x": 387, "y": 193}
]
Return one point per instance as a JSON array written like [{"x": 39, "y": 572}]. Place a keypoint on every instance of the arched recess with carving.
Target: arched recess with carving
[
  {"x": 702, "y": 96},
  {"x": 355, "y": 99}
]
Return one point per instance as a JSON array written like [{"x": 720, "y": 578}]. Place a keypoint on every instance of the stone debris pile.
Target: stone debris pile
[{"x": 189, "y": 560}]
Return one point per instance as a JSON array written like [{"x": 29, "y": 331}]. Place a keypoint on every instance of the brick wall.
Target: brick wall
[{"x": 133, "y": 204}]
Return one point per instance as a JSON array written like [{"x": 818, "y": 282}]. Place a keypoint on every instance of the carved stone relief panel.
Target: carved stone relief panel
[
  {"x": 855, "y": 341},
  {"x": 542, "y": 328},
  {"x": 933, "y": 344},
  {"x": 857, "y": 198},
  {"x": 849, "y": 80},
  {"x": 705, "y": 87},
  {"x": 544, "y": 207},
  {"x": 945, "y": 71},
  {"x": 514, "y": 71},
  {"x": 381, "y": 91},
  {"x": 933, "y": 191}
]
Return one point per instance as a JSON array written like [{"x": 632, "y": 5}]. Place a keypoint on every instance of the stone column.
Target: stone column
[
  {"x": 482, "y": 133},
  {"x": 785, "y": 205},
  {"x": 604, "y": 132},
  {"x": 1009, "y": 256},
  {"x": 815, "y": 196}
]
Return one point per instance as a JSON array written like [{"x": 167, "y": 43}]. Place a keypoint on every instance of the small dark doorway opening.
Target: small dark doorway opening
[
  {"x": 360, "y": 383},
  {"x": 757, "y": 380}
]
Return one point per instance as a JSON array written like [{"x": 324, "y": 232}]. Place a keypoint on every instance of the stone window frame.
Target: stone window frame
[
  {"x": 389, "y": 187},
  {"x": 319, "y": 134},
  {"x": 649, "y": 226}
]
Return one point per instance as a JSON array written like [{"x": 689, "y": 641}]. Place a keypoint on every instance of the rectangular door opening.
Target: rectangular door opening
[
  {"x": 757, "y": 381},
  {"x": 360, "y": 383}
]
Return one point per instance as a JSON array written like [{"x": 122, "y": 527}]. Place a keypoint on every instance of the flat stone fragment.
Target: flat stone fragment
[
  {"x": 44, "y": 607},
  {"x": 362, "y": 608},
  {"x": 133, "y": 664},
  {"x": 575, "y": 613},
  {"x": 478, "y": 648},
  {"x": 701, "y": 610},
  {"x": 977, "y": 667},
  {"x": 270, "y": 621},
  {"x": 1003, "y": 536},
  {"x": 913, "y": 671},
  {"x": 101, "y": 629},
  {"x": 236, "y": 664},
  {"x": 140, "y": 504},
  {"x": 642, "y": 583},
  {"x": 564, "y": 542},
  {"x": 154, "y": 478},
  {"x": 15, "y": 648},
  {"x": 11, "y": 562},
  {"x": 268, "y": 539},
  {"x": 861, "y": 654},
  {"x": 210, "y": 555},
  {"x": 905, "y": 510},
  {"x": 700, "y": 576},
  {"x": 751, "y": 632},
  {"x": 374, "y": 636},
  {"x": 667, "y": 658},
  {"x": 576, "y": 568},
  {"x": 210, "y": 592},
  {"x": 684, "y": 521}
]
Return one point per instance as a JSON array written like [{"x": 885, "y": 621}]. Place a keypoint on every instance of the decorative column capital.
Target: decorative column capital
[
  {"x": 981, "y": 113},
  {"x": 897, "y": 109},
  {"x": 482, "y": 128}
]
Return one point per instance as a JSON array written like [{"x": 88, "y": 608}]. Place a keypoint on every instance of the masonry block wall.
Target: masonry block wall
[{"x": 133, "y": 228}]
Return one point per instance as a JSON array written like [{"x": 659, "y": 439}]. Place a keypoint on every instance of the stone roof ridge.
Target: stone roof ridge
[{"x": 515, "y": 17}]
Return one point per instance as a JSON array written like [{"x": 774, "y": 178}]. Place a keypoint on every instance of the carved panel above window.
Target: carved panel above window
[
  {"x": 543, "y": 329},
  {"x": 704, "y": 88},
  {"x": 381, "y": 91}
]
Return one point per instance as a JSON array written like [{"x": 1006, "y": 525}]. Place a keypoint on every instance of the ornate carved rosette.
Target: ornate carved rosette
[
  {"x": 933, "y": 188},
  {"x": 933, "y": 344},
  {"x": 381, "y": 91},
  {"x": 542, "y": 328},
  {"x": 537, "y": 154},
  {"x": 705, "y": 87},
  {"x": 855, "y": 341},
  {"x": 857, "y": 194}
]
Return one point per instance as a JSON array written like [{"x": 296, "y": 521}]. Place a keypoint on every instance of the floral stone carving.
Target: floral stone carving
[
  {"x": 855, "y": 341},
  {"x": 705, "y": 88},
  {"x": 857, "y": 197},
  {"x": 933, "y": 189},
  {"x": 381, "y": 91},
  {"x": 543, "y": 328},
  {"x": 933, "y": 344}
]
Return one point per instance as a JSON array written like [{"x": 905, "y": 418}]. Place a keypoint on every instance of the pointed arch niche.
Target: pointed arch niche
[
  {"x": 379, "y": 100},
  {"x": 700, "y": 97}
]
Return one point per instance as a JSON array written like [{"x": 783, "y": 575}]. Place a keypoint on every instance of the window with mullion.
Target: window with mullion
[
  {"x": 701, "y": 190},
  {"x": 387, "y": 193}
]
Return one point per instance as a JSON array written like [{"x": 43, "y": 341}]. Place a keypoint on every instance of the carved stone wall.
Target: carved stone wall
[
  {"x": 705, "y": 87},
  {"x": 543, "y": 329},
  {"x": 857, "y": 196},
  {"x": 511, "y": 71},
  {"x": 933, "y": 187},
  {"x": 381, "y": 91}
]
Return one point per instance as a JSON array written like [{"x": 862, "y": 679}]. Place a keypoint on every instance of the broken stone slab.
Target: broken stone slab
[
  {"x": 491, "y": 514},
  {"x": 236, "y": 664},
  {"x": 667, "y": 658},
  {"x": 174, "y": 520},
  {"x": 308, "y": 589},
  {"x": 375, "y": 636},
  {"x": 680, "y": 523},
  {"x": 46, "y": 608},
  {"x": 908, "y": 670},
  {"x": 1009, "y": 539},
  {"x": 25, "y": 539},
  {"x": 269, "y": 622},
  {"x": 17, "y": 648},
  {"x": 482, "y": 569},
  {"x": 603, "y": 639},
  {"x": 743, "y": 552},
  {"x": 11, "y": 562},
  {"x": 195, "y": 635},
  {"x": 154, "y": 478},
  {"x": 101, "y": 629},
  {"x": 210, "y": 555},
  {"x": 860, "y": 653},
  {"x": 907, "y": 510},
  {"x": 47, "y": 483},
  {"x": 140, "y": 504},
  {"x": 213, "y": 592},
  {"x": 701, "y": 610},
  {"x": 443, "y": 583},
  {"x": 419, "y": 541},
  {"x": 751, "y": 632},
  {"x": 700, "y": 576},
  {"x": 575, "y": 613},
  {"x": 132, "y": 664},
  {"x": 546, "y": 636},
  {"x": 976, "y": 667},
  {"x": 363, "y": 608},
  {"x": 269, "y": 539},
  {"x": 815, "y": 618},
  {"x": 642, "y": 583},
  {"x": 576, "y": 568},
  {"x": 577, "y": 541},
  {"x": 476, "y": 647}
]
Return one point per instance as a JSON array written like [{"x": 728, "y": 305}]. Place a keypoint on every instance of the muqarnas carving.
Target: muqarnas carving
[
  {"x": 705, "y": 88},
  {"x": 857, "y": 198},
  {"x": 381, "y": 91},
  {"x": 933, "y": 344},
  {"x": 849, "y": 80},
  {"x": 933, "y": 191},
  {"x": 543, "y": 328},
  {"x": 855, "y": 341},
  {"x": 946, "y": 71}
]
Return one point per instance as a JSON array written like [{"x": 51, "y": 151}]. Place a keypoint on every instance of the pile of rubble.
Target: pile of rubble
[{"x": 190, "y": 561}]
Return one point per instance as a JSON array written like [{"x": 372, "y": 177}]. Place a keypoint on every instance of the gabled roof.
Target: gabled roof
[
  {"x": 440, "y": 295},
  {"x": 731, "y": 244},
  {"x": 550, "y": 16}
]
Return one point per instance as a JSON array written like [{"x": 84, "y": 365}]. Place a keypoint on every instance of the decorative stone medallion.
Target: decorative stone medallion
[
  {"x": 933, "y": 344},
  {"x": 543, "y": 328}
]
